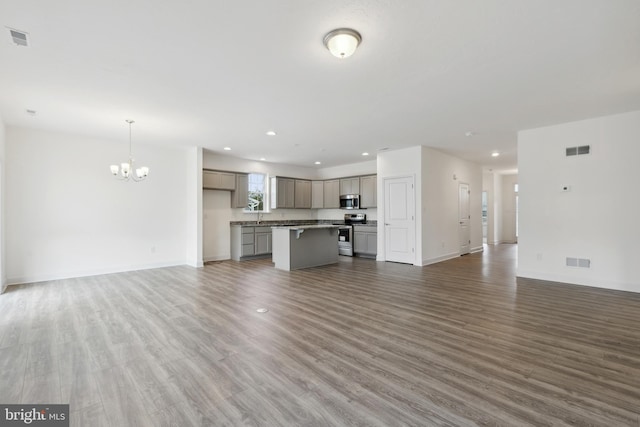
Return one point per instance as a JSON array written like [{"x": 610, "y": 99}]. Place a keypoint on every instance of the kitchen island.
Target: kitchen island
[{"x": 303, "y": 246}]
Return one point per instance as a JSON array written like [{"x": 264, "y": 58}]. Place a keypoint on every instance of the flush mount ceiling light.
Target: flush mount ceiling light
[
  {"x": 124, "y": 171},
  {"x": 342, "y": 42}
]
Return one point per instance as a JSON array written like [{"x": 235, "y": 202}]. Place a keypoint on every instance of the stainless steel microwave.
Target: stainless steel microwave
[{"x": 350, "y": 201}]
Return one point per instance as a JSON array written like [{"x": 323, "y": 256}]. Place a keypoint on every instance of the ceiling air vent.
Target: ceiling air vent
[
  {"x": 577, "y": 151},
  {"x": 19, "y": 38}
]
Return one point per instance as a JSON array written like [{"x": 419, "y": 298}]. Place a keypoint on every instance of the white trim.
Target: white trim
[
  {"x": 440, "y": 258},
  {"x": 74, "y": 274},
  {"x": 477, "y": 249},
  {"x": 602, "y": 283},
  {"x": 218, "y": 257}
]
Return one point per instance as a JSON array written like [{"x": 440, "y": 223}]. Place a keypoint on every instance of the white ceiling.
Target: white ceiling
[{"x": 220, "y": 73}]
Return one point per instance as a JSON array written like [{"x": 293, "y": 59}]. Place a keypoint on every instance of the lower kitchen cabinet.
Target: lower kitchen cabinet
[
  {"x": 250, "y": 242},
  {"x": 263, "y": 240},
  {"x": 365, "y": 240}
]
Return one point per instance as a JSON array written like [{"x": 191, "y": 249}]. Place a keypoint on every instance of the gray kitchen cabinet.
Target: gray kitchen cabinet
[
  {"x": 332, "y": 194},
  {"x": 317, "y": 194},
  {"x": 217, "y": 180},
  {"x": 365, "y": 240},
  {"x": 350, "y": 185},
  {"x": 368, "y": 191},
  {"x": 283, "y": 191},
  {"x": 262, "y": 240},
  {"x": 302, "y": 194},
  {"x": 250, "y": 242},
  {"x": 240, "y": 196}
]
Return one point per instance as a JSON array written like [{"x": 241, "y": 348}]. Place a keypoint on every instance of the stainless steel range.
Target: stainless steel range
[{"x": 345, "y": 232}]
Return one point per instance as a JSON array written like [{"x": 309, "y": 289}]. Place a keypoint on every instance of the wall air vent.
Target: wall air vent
[
  {"x": 19, "y": 38},
  {"x": 578, "y": 262},
  {"x": 577, "y": 151}
]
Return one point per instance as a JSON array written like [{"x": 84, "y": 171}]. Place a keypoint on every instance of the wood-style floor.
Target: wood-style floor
[{"x": 357, "y": 343}]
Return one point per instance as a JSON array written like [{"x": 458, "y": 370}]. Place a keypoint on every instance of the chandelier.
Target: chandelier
[{"x": 123, "y": 172}]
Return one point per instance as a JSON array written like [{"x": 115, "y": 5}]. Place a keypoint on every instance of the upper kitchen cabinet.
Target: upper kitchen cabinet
[
  {"x": 368, "y": 191},
  {"x": 240, "y": 196},
  {"x": 216, "y": 180},
  {"x": 350, "y": 186},
  {"x": 302, "y": 194},
  {"x": 283, "y": 192},
  {"x": 317, "y": 194},
  {"x": 332, "y": 194}
]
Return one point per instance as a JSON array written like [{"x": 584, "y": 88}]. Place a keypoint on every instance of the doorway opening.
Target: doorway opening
[{"x": 485, "y": 219}]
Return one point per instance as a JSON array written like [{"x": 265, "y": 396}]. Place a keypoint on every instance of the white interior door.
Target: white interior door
[
  {"x": 463, "y": 218},
  {"x": 399, "y": 219}
]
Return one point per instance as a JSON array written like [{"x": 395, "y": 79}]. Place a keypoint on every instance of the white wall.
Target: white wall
[
  {"x": 355, "y": 169},
  {"x": 394, "y": 164},
  {"x": 441, "y": 176},
  {"x": 3, "y": 275},
  {"x": 508, "y": 217},
  {"x": 194, "y": 205},
  {"x": 67, "y": 216},
  {"x": 597, "y": 219}
]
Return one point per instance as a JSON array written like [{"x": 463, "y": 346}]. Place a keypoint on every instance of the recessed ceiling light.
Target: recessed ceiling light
[
  {"x": 227, "y": 148},
  {"x": 271, "y": 133},
  {"x": 262, "y": 159},
  {"x": 495, "y": 154},
  {"x": 365, "y": 154},
  {"x": 318, "y": 163},
  {"x": 469, "y": 133}
]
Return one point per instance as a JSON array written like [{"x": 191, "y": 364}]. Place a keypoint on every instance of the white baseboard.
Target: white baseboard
[
  {"x": 86, "y": 273},
  {"x": 477, "y": 249},
  {"x": 582, "y": 281},
  {"x": 441, "y": 258},
  {"x": 217, "y": 258}
]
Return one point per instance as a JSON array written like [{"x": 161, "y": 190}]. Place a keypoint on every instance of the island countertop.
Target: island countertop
[{"x": 306, "y": 227}]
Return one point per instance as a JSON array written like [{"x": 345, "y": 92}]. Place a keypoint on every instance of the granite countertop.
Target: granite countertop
[
  {"x": 305, "y": 227},
  {"x": 296, "y": 222}
]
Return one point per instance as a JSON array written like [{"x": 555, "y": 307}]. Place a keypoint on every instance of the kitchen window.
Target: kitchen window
[{"x": 257, "y": 192}]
